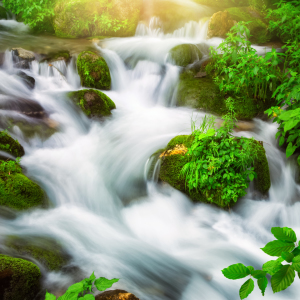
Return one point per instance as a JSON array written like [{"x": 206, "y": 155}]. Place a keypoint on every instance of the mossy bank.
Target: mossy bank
[{"x": 185, "y": 54}]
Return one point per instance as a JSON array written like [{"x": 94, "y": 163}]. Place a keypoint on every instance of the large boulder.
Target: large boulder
[
  {"x": 22, "y": 58},
  {"x": 220, "y": 24},
  {"x": 93, "y": 71},
  {"x": 19, "y": 279},
  {"x": 82, "y": 18},
  {"x": 93, "y": 103},
  {"x": 46, "y": 251},
  {"x": 185, "y": 54},
  {"x": 174, "y": 158},
  {"x": 116, "y": 295},
  {"x": 3, "y": 13},
  {"x": 203, "y": 93}
]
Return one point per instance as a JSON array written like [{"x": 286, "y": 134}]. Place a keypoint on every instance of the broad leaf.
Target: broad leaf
[
  {"x": 272, "y": 266},
  {"x": 87, "y": 297},
  {"x": 275, "y": 248},
  {"x": 262, "y": 284},
  {"x": 49, "y": 296},
  {"x": 236, "y": 271},
  {"x": 283, "y": 278},
  {"x": 103, "y": 284},
  {"x": 69, "y": 296},
  {"x": 285, "y": 234},
  {"x": 296, "y": 251},
  {"x": 290, "y": 124},
  {"x": 288, "y": 257},
  {"x": 251, "y": 269},
  {"x": 247, "y": 288},
  {"x": 296, "y": 263},
  {"x": 76, "y": 288},
  {"x": 259, "y": 274},
  {"x": 290, "y": 149},
  {"x": 92, "y": 277}
]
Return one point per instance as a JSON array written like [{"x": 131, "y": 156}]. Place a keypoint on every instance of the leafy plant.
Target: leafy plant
[
  {"x": 83, "y": 290},
  {"x": 286, "y": 249},
  {"x": 220, "y": 165},
  {"x": 238, "y": 69},
  {"x": 10, "y": 166}
]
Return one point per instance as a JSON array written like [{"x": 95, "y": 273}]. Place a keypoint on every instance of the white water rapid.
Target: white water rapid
[{"x": 103, "y": 211}]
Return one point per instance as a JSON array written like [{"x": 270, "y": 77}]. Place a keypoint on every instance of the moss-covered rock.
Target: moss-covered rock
[
  {"x": 19, "y": 192},
  {"x": 220, "y": 24},
  {"x": 19, "y": 279},
  {"x": 116, "y": 295},
  {"x": 185, "y": 54},
  {"x": 9, "y": 145},
  {"x": 83, "y": 18},
  {"x": 3, "y": 13},
  {"x": 93, "y": 71},
  {"x": 203, "y": 93},
  {"x": 222, "y": 4},
  {"x": 174, "y": 158},
  {"x": 93, "y": 103},
  {"x": 45, "y": 250}
]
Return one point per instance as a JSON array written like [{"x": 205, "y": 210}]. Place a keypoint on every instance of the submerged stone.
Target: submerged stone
[
  {"x": 19, "y": 279},
  {"x": 93, "y": 102},
  {"x": 183, "y": 55},
  {"x": 93, "y": 71}
]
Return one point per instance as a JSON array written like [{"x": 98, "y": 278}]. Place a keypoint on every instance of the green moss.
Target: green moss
[
  {"x": 93, "y": 103},
  {"x": 45, "y": 250},
  {"x": 172, "y": 165},
  {"x": 258, "y": 26},
  {"x": 9, "y": 145},
  {"x": 263, "y": 181},
  {"x": 20, "y": 279},
  {"x": 93, "y": 71},
  {"x": 3, "y": 13},
  {"x": 183, "y": 55},
  {"x": 19, "y": 192},
  {"x": 203, "y": 93}
]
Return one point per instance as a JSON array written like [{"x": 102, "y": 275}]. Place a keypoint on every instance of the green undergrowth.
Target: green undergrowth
[
  {"x": 93, "y": 71},
  {"x": 20, "y": 279},
  {"x": 45, "y": 250},
  {"x": 93, "y": 102}
]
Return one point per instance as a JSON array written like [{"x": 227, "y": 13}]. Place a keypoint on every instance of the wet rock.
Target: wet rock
[
  {"x": 22, "y": 58},
  {"x": 57, "y": 56},
  {"x": 220, "y": 24},
  {"x": 93, "y": 103},
  {"x": 3, "y": 13},
  {"x": 116, "y": 295},
  {"x": 183, "y": 55},
  {"x": 11, "y": 146},
  {"x": 26, "y": 107},
  {"x": 28, "y": 80},
  {"x": 93, "y": 71},
  {"x": 19, "y": 279},
  {"x": 2, "y": 58},
  {"x": 46, "y": 251},
  {"x": 68, "y": 14}
]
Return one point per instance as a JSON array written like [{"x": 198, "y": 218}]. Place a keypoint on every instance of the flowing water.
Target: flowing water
[{"x": 105, "y": 212}]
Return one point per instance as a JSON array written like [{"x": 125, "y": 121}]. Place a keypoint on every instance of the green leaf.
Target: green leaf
[
  {"x": 92, "y": 277},
  {"x": 285, "y": 234},
  {"x": 296, "y": 251},
  {"x": 290, "y": 124},
  {"x": 296, "y": 263},
  {"x": 283, "y": 278},
  {"x": 273, "y": 266},
  {"x": 236, "y": 271},
  {"x": 247, "y": 288},
  {"x": 87, "y": 297},
  {"x": 262, "y": 284},
  {"x": 251, "y": 269},
  {"x": 76, "y": 288},
  {"x": 103, "y": 284},
  {"x": 259, "y": 274},
  {"x": 288, "y": 257},
  {"x": 290, "y": 150},
  {"x": 281, "y": 140},
  {"x": 69, "y": 296},
  {"x": 275, "y": 248},
  {"x": 49, "y": 296}
]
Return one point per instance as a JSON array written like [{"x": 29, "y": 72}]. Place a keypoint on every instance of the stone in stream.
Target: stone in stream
[
  {"x": 22, "y": 58},
  {"x": 93, "y": 102},
  {"x": 57, "y": 56},
  {"x": 116, "y": 295},
  {"x": 185, "y": 54},
  {"x": 93, "y": 71},
  {"x": 19, "y": 279},
  {"x": 3, "y": 13},
  {"x": 28, "y": 80},
  {"x": 11, "y": 146}
]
